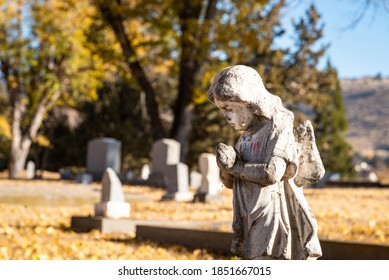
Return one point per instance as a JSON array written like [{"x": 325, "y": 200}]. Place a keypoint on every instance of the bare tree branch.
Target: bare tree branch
[{"x": 364, "y": 7}]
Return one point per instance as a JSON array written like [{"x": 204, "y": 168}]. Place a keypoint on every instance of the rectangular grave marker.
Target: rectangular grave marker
[
  {"x": 178, "y": 183},
  {"x": 101, "y": 154},
  {"x": 165, "y": 152}
]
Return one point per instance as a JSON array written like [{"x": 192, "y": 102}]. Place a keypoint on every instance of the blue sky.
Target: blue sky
[{"x": 362, "y": 50}]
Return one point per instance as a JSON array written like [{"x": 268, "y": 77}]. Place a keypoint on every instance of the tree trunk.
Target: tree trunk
[
  {"x": 194, "y": 50},
  {"x": 21, "y": 141},
  {"x": 17, "y": 158},
  {"x": 19, "y": 152},
  {"x": 184, "y": 129},
  {"x": 183, "y": 110},
  {"x": 116, "y": 23},
  {"x": 194, "y": 30}
]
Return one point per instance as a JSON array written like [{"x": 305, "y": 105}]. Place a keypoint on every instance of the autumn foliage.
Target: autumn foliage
[{"x": 38, "y": 227}]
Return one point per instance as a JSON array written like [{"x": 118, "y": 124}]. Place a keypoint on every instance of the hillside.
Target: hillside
[{"x": 367, "y": 103}]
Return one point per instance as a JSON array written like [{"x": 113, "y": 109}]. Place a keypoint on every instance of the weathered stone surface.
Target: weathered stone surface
[
  {"x": 311, "y": 168},
  {"x": 178, "y": 183},
  {"x": 145, "y": 172},
  {"x": 112, "y": 203},
  {"x": 195, "y": 179},
  {"x": 210, "y": 183},
  {"x": 266, "y": 169},
  {"x": 101, "y": 154},
  {"x": 112, "y": 187},
  {"x": 165, "y": 152},
  {"x": 177, "y": 177},
  {"x": 113, "y": 209}
]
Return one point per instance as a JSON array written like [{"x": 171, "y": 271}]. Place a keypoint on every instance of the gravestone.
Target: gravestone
[
  {"x": 165, "y": 152},
  {"x": 101, "y": 154},
  {"x": 210, "y": 183},
  {"x": 30, "y": 170},
  {"x": 195, "y": 179},
  {"x": 130, "y": 176},
  {"x": 84, "y": 178},
  {"x": 145, "y": 172},
  {"x": 112, "y": 203},
  {"x": 178, "y": 183}
]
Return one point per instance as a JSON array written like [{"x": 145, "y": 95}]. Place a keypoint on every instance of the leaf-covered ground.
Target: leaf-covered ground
[
  {"x": 35, "y": 220},
  {"x": 358, "y": 214}
]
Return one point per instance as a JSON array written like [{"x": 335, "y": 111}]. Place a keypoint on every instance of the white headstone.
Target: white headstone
[
  {"x": 112, "y": 203},
  {"x": 101, "y": 154},
  {"x": 210, "y": 183},
  {"x": 145, "y": 172},
  {"x": 30, "y": 170},
  {"x": 195, "y": 179}
]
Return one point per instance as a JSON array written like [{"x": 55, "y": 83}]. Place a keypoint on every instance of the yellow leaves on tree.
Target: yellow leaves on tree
[
  {"x": 5, "y": 130},
  {"x": 46, "y": 61}
]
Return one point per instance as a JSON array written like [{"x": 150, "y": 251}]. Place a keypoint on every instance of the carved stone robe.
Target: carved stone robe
[{"x": 273, "y": 221}]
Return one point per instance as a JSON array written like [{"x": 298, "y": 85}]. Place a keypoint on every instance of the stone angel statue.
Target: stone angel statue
[{"x": 266, "y": 170}]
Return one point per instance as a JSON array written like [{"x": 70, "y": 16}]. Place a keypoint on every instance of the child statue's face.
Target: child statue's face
[{"x": 237, "y": 114}]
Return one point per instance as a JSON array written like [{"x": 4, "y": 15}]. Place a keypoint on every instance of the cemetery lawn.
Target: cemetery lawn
[{"x": 35, "y": 220}]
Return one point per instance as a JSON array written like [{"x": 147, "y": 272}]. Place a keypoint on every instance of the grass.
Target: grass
[{"x": 35, "y": 220}]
